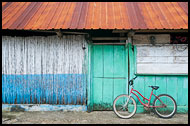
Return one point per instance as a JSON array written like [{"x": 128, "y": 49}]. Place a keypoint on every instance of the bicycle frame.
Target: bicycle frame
[{"x": 146, "y": 105}]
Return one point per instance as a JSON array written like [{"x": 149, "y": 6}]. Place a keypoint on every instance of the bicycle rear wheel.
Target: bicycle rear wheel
[
  {"x": 122, "y": 109},
  {"x": 168, "y": 111}
]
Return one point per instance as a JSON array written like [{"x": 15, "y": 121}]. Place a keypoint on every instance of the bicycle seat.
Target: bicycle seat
[{"x": 154, "y": 87}]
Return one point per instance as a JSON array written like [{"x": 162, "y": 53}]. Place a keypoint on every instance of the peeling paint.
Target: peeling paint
[
  {"x": 44, "y": 70},
  {"x": 45, "y": 107}
]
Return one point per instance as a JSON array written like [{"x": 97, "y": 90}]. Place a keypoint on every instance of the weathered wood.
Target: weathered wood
[
  {"x": 162, "y": 59},
  {"x": 109, "y": 38},
  {"x": 174, "y": 85},
  {"x": 109, "y": 75},
  {"x": 145, "y": 39},
  {"x": 109, "y": 43},
  {"x": 44, "y": 70}
]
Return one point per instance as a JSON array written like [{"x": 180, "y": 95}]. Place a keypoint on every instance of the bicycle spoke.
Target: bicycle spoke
[
  {"x": 165, "y": 111},
  {"x": 126, "y": 111}
]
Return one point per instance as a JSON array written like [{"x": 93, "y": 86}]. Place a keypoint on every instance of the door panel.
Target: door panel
[
  {"x": 97, "y": 61},
  {"x": 108, "y": 60},
  {"x": 119, "y": 61},
  {"x": 109, "y": 74}
]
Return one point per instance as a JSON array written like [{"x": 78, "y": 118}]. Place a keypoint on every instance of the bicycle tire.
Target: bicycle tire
[
  {"x": 159, "y": 112},
  {"x": 115, "y": 107}
]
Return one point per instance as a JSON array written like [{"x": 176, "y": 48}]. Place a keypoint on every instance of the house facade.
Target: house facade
[{"x": 80, "y": 56}]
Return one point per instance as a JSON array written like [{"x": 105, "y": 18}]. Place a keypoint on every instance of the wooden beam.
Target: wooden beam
[
  {"x": 120, "y": 31},
  {"x": 77, "y": 33},
  {"x": 109, "y": 38},
  {"x": 109, "y": 43}
]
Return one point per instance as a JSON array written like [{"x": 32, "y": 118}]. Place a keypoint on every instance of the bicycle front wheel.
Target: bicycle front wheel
[
  {"x": 167, "y": 111},
  {"x": 124, "y": 109}
]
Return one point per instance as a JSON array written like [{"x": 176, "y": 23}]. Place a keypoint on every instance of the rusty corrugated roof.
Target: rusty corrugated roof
[{"x": 94, "y": 15}]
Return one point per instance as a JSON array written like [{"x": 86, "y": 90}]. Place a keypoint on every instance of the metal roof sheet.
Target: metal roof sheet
[{"x": 94, "y": 15}]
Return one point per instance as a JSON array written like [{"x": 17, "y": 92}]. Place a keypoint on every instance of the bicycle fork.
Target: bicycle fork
[{"x": 127, "y": 101}]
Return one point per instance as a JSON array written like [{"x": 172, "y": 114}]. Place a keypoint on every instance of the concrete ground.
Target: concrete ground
[{"x": 95, "y": 117}]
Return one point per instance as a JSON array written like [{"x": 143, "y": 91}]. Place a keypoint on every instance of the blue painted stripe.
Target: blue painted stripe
[{"x": 44, "y": 89}]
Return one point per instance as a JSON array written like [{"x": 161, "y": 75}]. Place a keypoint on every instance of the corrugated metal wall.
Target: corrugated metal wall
[{"x": 44, "y": 70}]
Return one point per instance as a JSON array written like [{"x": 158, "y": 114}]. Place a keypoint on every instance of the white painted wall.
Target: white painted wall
[
  {"x": 42, "y": 55},
  {"x": 162, "y": 59}
]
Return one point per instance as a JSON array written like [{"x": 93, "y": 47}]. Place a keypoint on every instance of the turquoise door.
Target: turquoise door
[{"x": 109, "y": 74}]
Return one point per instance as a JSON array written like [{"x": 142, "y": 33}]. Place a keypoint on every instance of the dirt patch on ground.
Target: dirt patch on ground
[{"x": 96, "y": 117}]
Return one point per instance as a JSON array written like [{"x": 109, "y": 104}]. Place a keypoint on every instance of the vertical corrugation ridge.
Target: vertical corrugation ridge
[
  {"x": 24, "y": 15},
  {"x": 82, "y": 19},
  {"x": 8, "y": 20},
  {"x": 56, "y": 16},
  {"x": 30, "y": 15},
  {"x": 181, "y": 13},
  {"x": 172, "y": 13},
  {"x": 164, "y": 16},
  {"x": 158, "y": 12},
  {"x": 140, "y": 18},
  {"x": 38, "y": 16},
  {"x": 94, "y": 15},
  {"x": 68, "y": 17},
  {"x": 184, "y": 6},
  {"x": 50, "y": 16},
  {"x": 76, "y": 15},
  {"x": 6, "y": 5}
]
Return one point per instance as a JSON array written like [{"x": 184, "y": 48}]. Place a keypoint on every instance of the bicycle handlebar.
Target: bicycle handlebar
[{"x": 131, "y": 81}]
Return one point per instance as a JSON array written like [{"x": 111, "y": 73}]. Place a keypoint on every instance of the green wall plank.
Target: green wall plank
[
  {"x": 180, "y": 82},
  {"x": 162, "y": 83},
  {"x": 172, "y": 86},
  {"x": 108, "y": 61},
  {"x": 98, "y": 61},
  {"x": 139, "y": 85},
  {"x": 182, "y": 94},
  {"x": 149, "y": 81}
]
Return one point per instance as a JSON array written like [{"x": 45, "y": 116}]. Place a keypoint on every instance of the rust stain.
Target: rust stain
[{"x": 94, "y": 15}]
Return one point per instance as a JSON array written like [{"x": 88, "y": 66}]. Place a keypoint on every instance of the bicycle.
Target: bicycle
[{"x": 125, "y": 106}]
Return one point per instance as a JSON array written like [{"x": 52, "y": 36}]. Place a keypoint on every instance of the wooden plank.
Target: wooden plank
[
  {"x": 97, "y": 94},
  {"x": 182, "y": 91},
  {"x": 162, "y": 68},
  {"x": 109, "y": 38},
  {"x": 149, "y": 81},
  {"x": 127, "y": 68},
  {"x": 107, "y": 93},
  {"x": 108, "y": 61},
  {"x": 135, "y": 59},
  {"x": 145, "y": 39},
  {"x": 98, "y": 61},
  {"x": 172, "y": 86},
  {"x": 162, "y": 83},
  {"x": 139, "y": 84},
  {"x": 109, "y": 43},
  {"x": 131, "y": 61},
  {"x": 119, "y": 61},
  {"x": 119, "y": 87}
]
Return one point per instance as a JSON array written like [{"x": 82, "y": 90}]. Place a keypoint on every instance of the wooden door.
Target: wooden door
[{"x": 109, "y": 74}]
